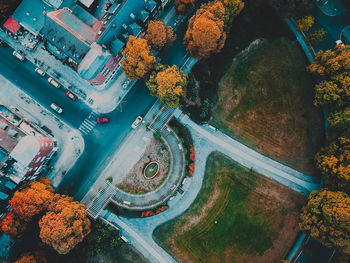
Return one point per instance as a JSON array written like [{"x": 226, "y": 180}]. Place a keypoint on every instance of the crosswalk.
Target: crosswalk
[{"x": 88, "y": 124}]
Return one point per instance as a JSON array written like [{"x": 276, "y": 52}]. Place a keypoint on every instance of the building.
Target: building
[{"x": 24, "y": 150}]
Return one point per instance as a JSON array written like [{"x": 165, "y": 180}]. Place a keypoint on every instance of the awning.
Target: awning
[{"x": 12, "y": 25}]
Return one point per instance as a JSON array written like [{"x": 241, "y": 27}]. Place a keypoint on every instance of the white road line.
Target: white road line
[
  {"x": 86, "y": 124},
  {"x": 90, "y": 122}
]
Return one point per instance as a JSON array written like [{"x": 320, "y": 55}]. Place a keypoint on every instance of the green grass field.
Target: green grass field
[{"x": 234, "y": 225}]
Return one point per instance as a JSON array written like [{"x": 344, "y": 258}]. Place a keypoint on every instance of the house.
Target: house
[{"x": 24, "y": 150}]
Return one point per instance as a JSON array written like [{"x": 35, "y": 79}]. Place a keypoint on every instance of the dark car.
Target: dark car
[
  {"x": 102, "y": 120},
  {"x": 71, "y": 95},
  {"x": 3, "y": 43}
]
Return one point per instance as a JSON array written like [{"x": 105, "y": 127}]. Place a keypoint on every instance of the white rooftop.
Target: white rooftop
[{"x": 26, "y": 149}]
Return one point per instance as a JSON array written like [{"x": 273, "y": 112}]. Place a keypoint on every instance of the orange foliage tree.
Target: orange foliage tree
[
  {"x": 168, "y": 84},
  {"x": 205, "y": 34},
  {"x": 32, "y": 200},
  {"x": 327, "y": 218},
  {"x": 13, "y": 226},
  {"x": 158, "y": 35},
  {"x": 334, "y": 162},
  {"x": 183, "y": 5},
  {"x": 64, "y": 225},
  {"x": 31, "y": 258},
  {"x": 138, "y": 60}
]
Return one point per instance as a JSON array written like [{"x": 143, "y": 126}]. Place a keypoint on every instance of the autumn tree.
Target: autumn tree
[
  {"x": 316, "y": 37},
  {"x": 205, "y": 34},
  {"x": 340, "y": 119},
  {"x": 13, "y": 226},
  {"x": 32, "y": 200},
  {"x": 32, "y": 258},
  {"x": 327, "y": 218},
  {"x": 334, "y": 163},
  {"x": 305, "y": 23},
  {"x": 138, "y": 60},
  {"x": 168, "y": 84},
  {"x": 64, "y": 225},
  {"x": 158, "y": 35},
  {"x": 330, "y": 63},
  {"x": 232, "y": 9},
  {"x": 182, "y": 6}
]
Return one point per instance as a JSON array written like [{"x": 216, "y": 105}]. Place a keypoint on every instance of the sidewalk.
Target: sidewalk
[{"x": 69, "y": 140}]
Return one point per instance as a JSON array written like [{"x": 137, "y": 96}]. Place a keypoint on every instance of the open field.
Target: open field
[
  {"x": 265, "y": 101},
  {"x": 238, "y": 216}
]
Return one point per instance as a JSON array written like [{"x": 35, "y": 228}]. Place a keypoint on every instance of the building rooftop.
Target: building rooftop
[
  {"x": 116, "y": 46},
  {"x": 93, "y": 62},
  {"x": 26, "y": 150},
  {"x": 9, "y": 135}
]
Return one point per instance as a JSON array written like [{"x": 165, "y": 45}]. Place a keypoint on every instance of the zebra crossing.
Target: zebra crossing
[{"x": 88, "y": 124}]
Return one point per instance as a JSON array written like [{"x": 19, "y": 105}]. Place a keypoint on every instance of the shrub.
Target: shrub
[
  {"x": 316, "y": 37},
  {"x": 119, "y": 186},
  {"x": 157, "y": 135},
  {"x": 141, "y": 192},
  {"x": 133, "y": 192},
  {"x": 126, "y": 190},
  {"x": 109, "y": 179}
]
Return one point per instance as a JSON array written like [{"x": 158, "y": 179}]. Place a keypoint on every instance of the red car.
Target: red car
[
  {"x": 102, "y": 120},
  {"x": 71, "y": 95}
]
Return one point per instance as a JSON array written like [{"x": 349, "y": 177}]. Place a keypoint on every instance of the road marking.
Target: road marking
[{"x": 88, "y": 124}]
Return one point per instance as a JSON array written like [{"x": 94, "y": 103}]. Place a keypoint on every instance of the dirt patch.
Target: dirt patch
[
  {"x": 265, "y": 101},
  {"x": 135, "y": 181}
]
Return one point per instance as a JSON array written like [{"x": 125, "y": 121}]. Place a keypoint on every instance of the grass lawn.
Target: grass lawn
[
  {"x": 265, "y": 101},
  {"x": 239, "y": 216}
]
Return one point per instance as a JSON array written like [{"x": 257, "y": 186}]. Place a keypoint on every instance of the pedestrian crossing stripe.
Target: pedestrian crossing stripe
[{"x": 88, "y": 124}]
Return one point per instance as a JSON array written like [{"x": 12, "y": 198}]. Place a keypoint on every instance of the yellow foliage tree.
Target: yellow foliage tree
[{"x": 138, "y": 60}]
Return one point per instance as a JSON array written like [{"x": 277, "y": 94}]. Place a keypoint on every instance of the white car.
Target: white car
[
  {"x": 40, "y": 72},
  {"x": 18, "y": 55},
  {"x": 136, "y": 122},
  {"x": 339, "y": 43},
  {"x": 56, "y": 108},
  {"x": 54, "y": 82}
]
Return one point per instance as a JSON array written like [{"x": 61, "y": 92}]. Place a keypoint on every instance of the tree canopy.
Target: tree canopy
[
  {"x": 64, "y": 225},
  {"x": 138, "y": 60},
  {"x": 294, "y": 7},
  {"x": 32, "y": 258},
  {"x": 183, "y": 5},
  {"x": 168, "y": 84},
  {"x": 334, "y": 163},
  {"x": 305, "y": 23},
  {"x": 205, "y": 34},
  {"x": 13, "y": 226},
  {"x": 327, "y": 218},
  {"x": 232, "y": 9},
  {"x": 158, "y": 35}
]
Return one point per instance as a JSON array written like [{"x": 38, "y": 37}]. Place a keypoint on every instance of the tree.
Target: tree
[
  {"x": 294, "y": 7},
  {"x": 168, "y": 84},
  {"x": 316, "y": 37},
  {"x": 65, "y": 225},
  {"x": 205, "y": 34},
  {"x": 158, "y": 35},
  {"x": 327, "y": 218},
  {"x": 340, "y": 119},
  {"x": 32, "y": 258},
  {"x": 32, "y": 201},
  {"x": 183, "y": 5},
  {"x": 334, "y": 163},
  {"x": 13, "y": 226},
  {"x": 232, "y": 9},
  {"x": 304, "y": 23},
  {"x": 138, "y": 60},
  {"x": 330, "y": 63}
]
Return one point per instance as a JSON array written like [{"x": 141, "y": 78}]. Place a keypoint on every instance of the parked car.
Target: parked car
[
  {"x": 71, "y": 95},
  {"x": 18, "y": 54},
  {"x": 56, "y": 108},
  {"x": 3, "y": 43},
  {"x": 40, "y": 72},
  {"x": 46, "y": 129},
  {"x": 54, "y": 82},
  {"x": 339, "y": 43},
  {"x": 107, "y": 6},
  {"x": 102, "y": 120},
  {"x": 136, "y": 122}
]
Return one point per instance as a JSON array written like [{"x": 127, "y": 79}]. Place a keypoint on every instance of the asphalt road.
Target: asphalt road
[{"x": 101, "y": 142}]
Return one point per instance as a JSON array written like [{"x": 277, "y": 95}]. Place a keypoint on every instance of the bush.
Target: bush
[
  {"x": 109, "y": 179},
  {"x": 316, "y": 37},
  {"x": 157, "y": 135},
  {"x": 119, "y": 186},
  {"x": 141, "y": 192},
  {"x": 126, "y": 190},
  {"x": 133, "y": 192}
]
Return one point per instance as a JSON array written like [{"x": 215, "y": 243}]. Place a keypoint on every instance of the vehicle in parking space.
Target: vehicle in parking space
[
  {"x": 54, "y": 82},
  {"x": 126, "y": 83},
  {"x": 102, "y": 120},
  {"x": 136, "y": 122},
  {"x": 47, "y": 130},
  {"x": 40, "y": 72},
  {"x": 18, "y": 54},
  {"x": 71, "y": 95},
  {"x": 56, "y": 108},
  {"x": 3, "y": 43}
]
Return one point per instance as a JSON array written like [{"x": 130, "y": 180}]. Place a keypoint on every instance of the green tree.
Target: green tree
[
  {"x": 334, "y": 162},
  {"x": 327, "y": 218},
  {"x": 294, "y": 7},
  {"x": 340, "y": 119},
  {"x": 232, "y": 9},
  {"x": 316, "y": 37},
  {"x": 304, "y": 23},
  {"x": 168, "y": 84}
]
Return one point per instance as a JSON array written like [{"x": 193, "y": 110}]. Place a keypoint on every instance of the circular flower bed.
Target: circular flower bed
[{"x": 151, "y": 170}]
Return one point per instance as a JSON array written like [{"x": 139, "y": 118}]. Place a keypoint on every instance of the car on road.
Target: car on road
[
  {"x": 40, "y": 72},
  {"x": 3, "y": 43},
  {"x": 339, "y": 43},
  {"x": 54, "y": 82},
  {"x": 102, "y": 120},
  {"x": 18, "y": 54},
  {"x": 71, "y": 95},
  {"x": 136, "y": 122},
  {"x": 56, "y": 108}
]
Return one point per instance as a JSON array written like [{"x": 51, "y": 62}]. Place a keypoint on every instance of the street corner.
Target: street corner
[{"x": 331, "y": 7}]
